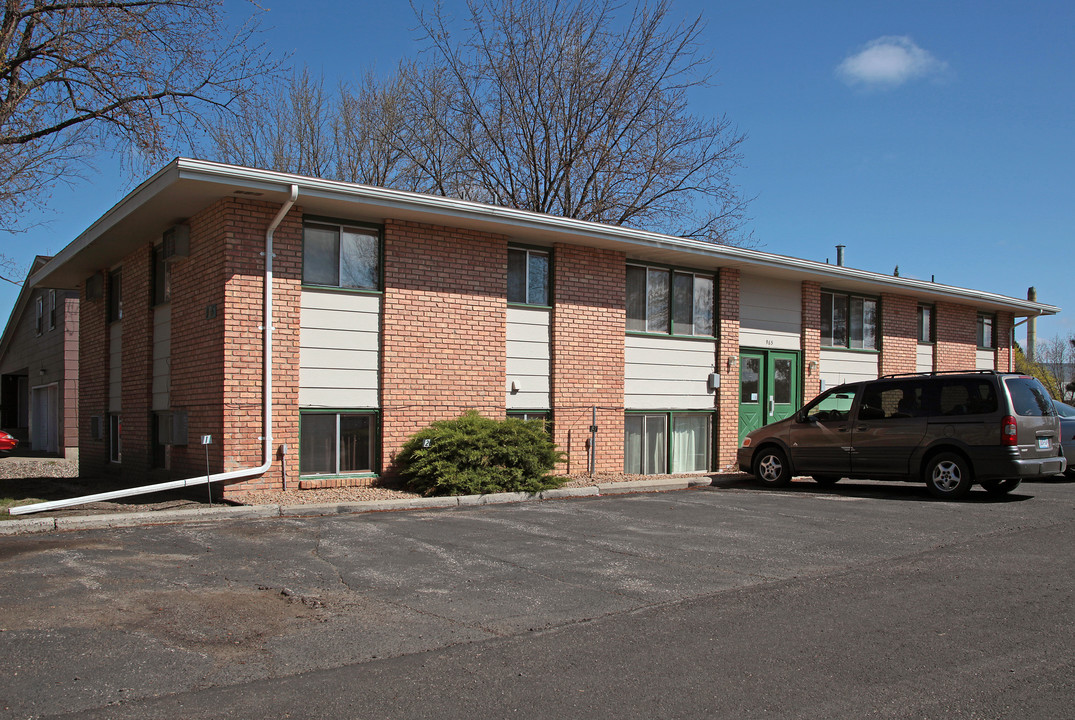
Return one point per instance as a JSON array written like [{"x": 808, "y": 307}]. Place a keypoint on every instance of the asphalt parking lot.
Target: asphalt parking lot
[{"x": 866, "y": 600}]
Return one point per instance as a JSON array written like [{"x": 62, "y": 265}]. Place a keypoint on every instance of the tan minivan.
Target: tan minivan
[{"x": 949, "y": 430}]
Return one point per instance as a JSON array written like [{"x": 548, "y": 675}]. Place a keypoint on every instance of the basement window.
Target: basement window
[{"x": 337, "y": 443}]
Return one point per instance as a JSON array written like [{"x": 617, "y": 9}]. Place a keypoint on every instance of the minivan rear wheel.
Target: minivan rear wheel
[
  {"x": 1000, "y": 487},
  {"x": 948, "y": 476},
  {"x": 771, "y": 467}
]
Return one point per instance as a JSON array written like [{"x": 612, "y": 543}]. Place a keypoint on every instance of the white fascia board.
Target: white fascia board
[{"x": 434, "y": 209}]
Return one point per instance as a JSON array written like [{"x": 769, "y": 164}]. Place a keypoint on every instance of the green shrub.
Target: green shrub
[{"x": 474, "y": 455}]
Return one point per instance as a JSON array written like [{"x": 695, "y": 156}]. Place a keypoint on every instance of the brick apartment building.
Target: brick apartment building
[
  {"x": 390, "y": 310},
  {"x": 39, "y": 369}
]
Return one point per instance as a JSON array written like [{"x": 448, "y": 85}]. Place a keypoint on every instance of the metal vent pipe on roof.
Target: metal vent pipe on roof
[{"x": 840, "y": 255}]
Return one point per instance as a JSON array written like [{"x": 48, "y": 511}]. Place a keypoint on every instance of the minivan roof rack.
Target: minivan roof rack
[{"x": 941, "y": 372}]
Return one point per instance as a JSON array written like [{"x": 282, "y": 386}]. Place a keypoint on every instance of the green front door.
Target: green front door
[{"x": 768, "y": 387}]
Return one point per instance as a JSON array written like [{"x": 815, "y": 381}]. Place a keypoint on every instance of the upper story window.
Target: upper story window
[
  {"x": 115, "y": 296},
  {"x": 848, "y": 321},
  {"x": 40, "y": 321},
  {"x": 162, "y": 277},
  {"x": 925, "y": 324},
  {"x": 528, "y": 276},
  {"x": 345, "y": 256},
  {"x": 986, "y": 335},
  {"x": 52, "y": 309},
  {"x": 660, "y": 300}
]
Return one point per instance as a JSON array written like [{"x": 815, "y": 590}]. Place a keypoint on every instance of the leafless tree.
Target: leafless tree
[
  {"x": 1056, "y": 356},
  {"x": 135, "y": 77},
  {"x": 556, "y": 106}
]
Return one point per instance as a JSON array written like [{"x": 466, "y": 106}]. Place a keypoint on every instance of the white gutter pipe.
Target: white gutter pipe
[{"x": 266, "y": 392}]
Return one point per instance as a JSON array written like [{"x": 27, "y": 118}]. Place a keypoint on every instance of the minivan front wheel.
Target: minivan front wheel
[
  {"x": 771, "y": 467},
  {"x": 948, "y": 476}
]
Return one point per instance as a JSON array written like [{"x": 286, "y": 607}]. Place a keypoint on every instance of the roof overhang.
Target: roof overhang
[{"x": 185, "y": 187}]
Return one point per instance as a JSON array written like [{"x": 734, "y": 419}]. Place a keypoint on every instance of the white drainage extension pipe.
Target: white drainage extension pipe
[{"x": 266, "y": 396}]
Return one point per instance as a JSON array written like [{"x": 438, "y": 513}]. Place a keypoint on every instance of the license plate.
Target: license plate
[{"x": 1043, "y": 443}]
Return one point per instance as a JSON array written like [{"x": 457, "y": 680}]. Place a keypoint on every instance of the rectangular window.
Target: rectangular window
[
  {"x": 528, "y": 276},
  {"x": 115, "y": 296},
  {"x": 115, "y": 438},
  {"x": 341, "y": 256},
  {"x": 52, "y": 309},
  {"x": 848, "y": 321},
  {"x": 162, "y": 277},
  {"x": 650, "y": 450},
  {"x": 925, "y": 324},
  {"x": 986, "y": 337},
  {"x": 337, "y": 443},
  {"x": 542, "y": 415},
  {"x": 666, "y": 301},
  {"x": 40, "y": 321}
]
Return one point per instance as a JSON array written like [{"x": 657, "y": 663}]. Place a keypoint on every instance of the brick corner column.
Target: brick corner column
[
  {"x": 93, "y": 381},
  {"x": 727, "y": 349},
  {"x": 588, "y": 358}
]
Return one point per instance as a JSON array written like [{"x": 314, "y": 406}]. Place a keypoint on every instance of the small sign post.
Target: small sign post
[{"x": 207, "y": 440}]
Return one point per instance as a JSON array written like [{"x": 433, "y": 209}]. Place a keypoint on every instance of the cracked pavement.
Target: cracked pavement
[{"x": 136, "y": 622}]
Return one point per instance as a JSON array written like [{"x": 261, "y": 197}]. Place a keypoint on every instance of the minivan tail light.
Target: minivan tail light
[{"x": 1009, "y": 433}]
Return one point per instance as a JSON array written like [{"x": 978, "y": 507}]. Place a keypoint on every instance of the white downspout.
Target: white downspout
[{"x": 266, "y": 327}]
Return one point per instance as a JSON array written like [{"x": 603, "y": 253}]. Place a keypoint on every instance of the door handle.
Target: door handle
[{"x": 771, "y": 405}]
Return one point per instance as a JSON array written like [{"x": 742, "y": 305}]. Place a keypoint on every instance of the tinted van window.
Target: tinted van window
[
  {"x": 966, "y": 397},
  {"x": 1029, "y": 398},
  {"x": 894, "y": 400}
]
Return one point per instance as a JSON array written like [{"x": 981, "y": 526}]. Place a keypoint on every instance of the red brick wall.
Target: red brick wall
[
  {"x": 197, "y": 342},
  {"x": 244, "y": 283},
  {"x": 93, "y": 380},
  {"x": 1004, "y": 324},
  {"x": 69, "y": 426},
  {"x": 588, "y": 329},
  {"x": 811, "y": 339},
  {"x": 137, "y": 369},
  {"x": 443, "y": 329},
  {"x": 727, "y": 430},
  {"x": 899, "y": 334},
  {"x": 956, "y": 337}
]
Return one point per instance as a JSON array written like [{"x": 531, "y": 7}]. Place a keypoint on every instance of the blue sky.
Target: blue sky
[{"x": 936, "y": 136}]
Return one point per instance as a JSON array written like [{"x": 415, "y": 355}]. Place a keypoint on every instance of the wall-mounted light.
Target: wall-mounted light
[
  {"x": 732, "y": 360},
  {"x": 514, "y": 387},
  {"x": 813, "y": 366},
  {"x": 42, "y": 371}
]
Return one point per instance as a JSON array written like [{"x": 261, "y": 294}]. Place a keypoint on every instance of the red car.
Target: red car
[{"x": 7, "y": 443}]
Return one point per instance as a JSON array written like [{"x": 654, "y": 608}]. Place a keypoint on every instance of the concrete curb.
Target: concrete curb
[{"x": 167, "y": 517}]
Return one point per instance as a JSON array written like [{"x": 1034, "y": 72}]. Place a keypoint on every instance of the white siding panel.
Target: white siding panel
[
  {"x": 668, "y": 373},
  {"x": 162, "y": 357},
  {"x": 985, "y": 360},
  {"x": 924, "y": 359},
  {"x": 338, "y": 398},
  {"x": 770, "y": 313},
  {"x": 339, "y": 349},
  {"x": 115, "y": 367},
  {"x": 842, "y": 366},
  {"x": 528, "y": 364}
]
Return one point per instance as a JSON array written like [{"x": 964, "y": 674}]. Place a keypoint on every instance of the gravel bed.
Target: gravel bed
[{"x": 362, "y": 494}]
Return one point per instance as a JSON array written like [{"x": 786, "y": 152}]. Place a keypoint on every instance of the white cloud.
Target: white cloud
[{"x": 889, "y": 61}]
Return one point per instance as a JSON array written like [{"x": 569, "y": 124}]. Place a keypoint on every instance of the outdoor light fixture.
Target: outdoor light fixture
[
  {"x": 732, "y": 360},
  {"x": 813, "y": 366}
]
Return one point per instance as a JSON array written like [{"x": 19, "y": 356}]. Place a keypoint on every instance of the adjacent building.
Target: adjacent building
[
  {"x": 387, "y": 310},
  {"x": 39, "y": 368}
]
